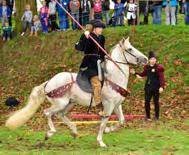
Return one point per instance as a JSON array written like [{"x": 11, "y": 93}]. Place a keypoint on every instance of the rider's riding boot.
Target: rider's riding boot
[
  {"x": 101, "y": 112},
  {"x": 96, "y": 86}
]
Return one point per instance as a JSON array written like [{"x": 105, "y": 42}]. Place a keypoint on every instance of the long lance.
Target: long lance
[{"x": 90, "y": 37}]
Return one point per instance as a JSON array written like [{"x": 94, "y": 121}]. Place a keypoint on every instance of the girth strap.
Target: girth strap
[{"x": 123, "y": 92}]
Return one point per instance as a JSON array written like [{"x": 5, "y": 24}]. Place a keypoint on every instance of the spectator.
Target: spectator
[
  {"x": 157, "y": 11},
  {"x": 52, "y": 16},
  {"x": 85, "y": 11},
  {"x": 186, "y": 7},
  {"x": 181, "y": 6},
  {"x": 10, "y": 4},
  {"x": 131, "y": 12},
  {"x": 26, "y": 19},
  {"x": 105, "y": 9},
  {"x": 155, "y": 84},
  {"x": 7, "y": 30},
  {"x": 97, "y": 6},
  {"x": 119, "y": 10},
  {"x": 36, "y": 27},
  {"x": 74, "y": 8},
  {"x": 44, "y": 15},
  {"x": 63, "y": 17},
  {"x": 170, "y": 11},
  {"x": 5, "y": 12}
]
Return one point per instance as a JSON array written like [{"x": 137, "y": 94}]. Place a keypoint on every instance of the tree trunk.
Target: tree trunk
[{"x": 20, "y": 7}]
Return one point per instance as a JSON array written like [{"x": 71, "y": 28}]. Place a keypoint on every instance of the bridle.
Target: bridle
[{"x": 126, "y": 60}]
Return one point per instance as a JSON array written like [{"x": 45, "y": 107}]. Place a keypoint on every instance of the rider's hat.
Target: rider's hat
[
  {"x": 151, "y": 54},
  {"x": 97, "y": 23}
]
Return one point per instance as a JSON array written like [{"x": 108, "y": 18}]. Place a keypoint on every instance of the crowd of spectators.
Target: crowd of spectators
[{"x": 51, "y": 17}]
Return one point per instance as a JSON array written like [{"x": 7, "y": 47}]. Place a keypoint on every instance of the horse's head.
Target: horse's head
[{"x": 130, "y": 54}]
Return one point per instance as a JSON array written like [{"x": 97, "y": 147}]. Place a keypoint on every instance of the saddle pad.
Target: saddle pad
[{"x": 83, "y": 82}]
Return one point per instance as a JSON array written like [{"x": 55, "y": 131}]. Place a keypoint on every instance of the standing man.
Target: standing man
[
  {"x": 170, "y": 11},
  {"x": 155, "y": 84},
  {"x": 85, "y": 11},
  {"x": 74, "y": 8},
  {"x": 62, "y": 15},
  {"x": 10, "y": 4},
  {"x": 186, "y": 11},
  {"x": 105, "y": 10}
]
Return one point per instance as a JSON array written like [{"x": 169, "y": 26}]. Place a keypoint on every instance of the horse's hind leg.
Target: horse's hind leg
[
  {"x": 118, "y": 111},
  {"x": 55, "y": 108},
  {"x": 66, "y": 121}
]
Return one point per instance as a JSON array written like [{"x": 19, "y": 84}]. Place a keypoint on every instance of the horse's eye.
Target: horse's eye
[{"x": 129, "y": 49}]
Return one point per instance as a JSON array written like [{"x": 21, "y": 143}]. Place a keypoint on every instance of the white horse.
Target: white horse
[{"x": 123, "y": 53}]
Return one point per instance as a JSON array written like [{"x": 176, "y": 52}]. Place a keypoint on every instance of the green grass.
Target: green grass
[{"x": 151, "y": 139}]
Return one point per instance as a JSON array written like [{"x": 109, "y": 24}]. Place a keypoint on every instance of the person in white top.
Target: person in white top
[
  {"x": 26, "y": 19},
  {"x": 131, "y": 12}
]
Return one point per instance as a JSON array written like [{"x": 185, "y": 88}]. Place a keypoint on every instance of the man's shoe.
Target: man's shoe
[
  {"x": 22, "y": 34},
  {"x": 156, "y": 119},
  {"x": 148, "y": 119}
]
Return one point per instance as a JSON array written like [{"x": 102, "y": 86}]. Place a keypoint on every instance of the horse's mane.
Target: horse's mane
[
  {"x": 113, "y": 48},
  {"x": 110, "y": 53}
]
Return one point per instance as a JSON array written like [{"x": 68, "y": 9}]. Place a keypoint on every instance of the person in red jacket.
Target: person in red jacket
[{"x": 155, "y": 83}]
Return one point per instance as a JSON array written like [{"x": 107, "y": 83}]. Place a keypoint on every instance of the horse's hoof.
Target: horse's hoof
[
  {"x": 107, "y": 130},
  {"x": 46, "y": 138},
  {"x": 74, "y": 135},
  {"x": 102, "y": 145},
  {"x": 41, "y": 145}
]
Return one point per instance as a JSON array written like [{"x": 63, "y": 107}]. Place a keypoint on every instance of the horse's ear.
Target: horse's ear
[
  {"x": 122, "y": 41},
  {"x": 127, "y": 39}
]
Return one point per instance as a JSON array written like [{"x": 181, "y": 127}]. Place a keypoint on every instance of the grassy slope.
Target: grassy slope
[{"x": 26, "y": 61}]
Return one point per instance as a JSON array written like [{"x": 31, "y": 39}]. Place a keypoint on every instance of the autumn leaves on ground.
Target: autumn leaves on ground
[{"x": 28, "y": 61}]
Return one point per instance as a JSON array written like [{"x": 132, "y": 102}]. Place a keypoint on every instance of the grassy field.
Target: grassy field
[
  {"x": 28, "y": 61},
  {"x": 139, "y": 139}
]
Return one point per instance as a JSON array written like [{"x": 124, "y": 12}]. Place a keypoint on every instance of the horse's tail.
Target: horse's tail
[{"x": 36, "y": 98}]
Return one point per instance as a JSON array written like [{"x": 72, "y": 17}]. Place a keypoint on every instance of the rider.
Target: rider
[{"x": 92, "y": 55}]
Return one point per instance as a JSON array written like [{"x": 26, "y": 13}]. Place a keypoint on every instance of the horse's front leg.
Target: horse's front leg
[
  {"x": 101, "y": 130},
  {"x": 119, "y": 112},
  {"x": 108, "y": 108}
]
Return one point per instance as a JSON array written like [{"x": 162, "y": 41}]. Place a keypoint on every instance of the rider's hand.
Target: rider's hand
[
  {"x": 87, "y": 34},
  {"x": 160, "y": 90},
  {"x": 132, "y": 71}
]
